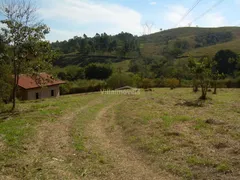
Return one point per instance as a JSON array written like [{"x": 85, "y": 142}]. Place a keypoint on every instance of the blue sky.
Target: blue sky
[{"x": 68, "y": 18}]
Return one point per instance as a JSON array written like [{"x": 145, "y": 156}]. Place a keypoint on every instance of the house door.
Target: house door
[
  {"x": 37, "y": 95},
  {"x": 52, "y": 93}
]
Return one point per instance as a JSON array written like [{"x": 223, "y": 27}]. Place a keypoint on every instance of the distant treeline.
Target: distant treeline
[
  {"x": 120, "y": 44},
  {"x": 212, "y": 38}
]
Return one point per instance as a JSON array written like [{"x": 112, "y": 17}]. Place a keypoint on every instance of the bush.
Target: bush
[
  {"x": 65, "y": 89},
  {"x": 230, "y": 83},
  {"x": 159, "y": 82},
  {"x": 119, "y": 80},
  {"x": 98, "y": 71},
  {"x": 82, "y": 86},
  {"x": 147, "y": 83},
  {"x": 186, "y": 83},
  {"x": 71, "y": 73},
  {"x": 172, "y": 83},
  {"x": 136, "y": 80}
]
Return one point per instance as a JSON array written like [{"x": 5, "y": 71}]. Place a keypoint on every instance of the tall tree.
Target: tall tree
[
  {"x": 5, "y": 74},
  {"x": 29, "y": 53}
]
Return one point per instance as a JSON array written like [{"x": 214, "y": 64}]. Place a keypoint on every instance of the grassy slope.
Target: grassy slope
[
  {"x": 212, "y": 50},
  {"x": 171, "y": 137},
  {"x": 123, "y": 66},
  {"x": 176, "y": 137},
  {"x": 153, "y": 44}
]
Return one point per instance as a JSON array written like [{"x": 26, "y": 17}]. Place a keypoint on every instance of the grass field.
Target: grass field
[{"x": 164, "y": 134}]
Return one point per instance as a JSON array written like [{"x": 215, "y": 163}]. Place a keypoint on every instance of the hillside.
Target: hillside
[
  {"x": 162, "y": 54},
  {"x": 154, "y": 44},
  {"x": 104, "y": 48}
]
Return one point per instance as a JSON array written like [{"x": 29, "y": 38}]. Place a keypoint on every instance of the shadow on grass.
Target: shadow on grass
[
  {"x": 195, "y": 103},
  {"x": 8, "y": 114}
]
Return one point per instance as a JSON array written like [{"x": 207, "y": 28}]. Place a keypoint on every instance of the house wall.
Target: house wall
[
  {"x": 22, "y": 94},
  {"x": 44, "y": 92}
]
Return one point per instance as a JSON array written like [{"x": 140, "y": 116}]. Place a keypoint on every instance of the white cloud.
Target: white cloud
[
  {"x": 213, "y": 20},
  {"x": 153, "y": 3},
  {"x": 175, "y": 13},
  {"x": 112, "y": 18},
  {"x": 61, "y": 35}
]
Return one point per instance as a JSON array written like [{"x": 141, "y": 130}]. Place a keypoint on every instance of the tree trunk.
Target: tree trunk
[
  {"x": 195, "y": 88},
  {"x": 14, "y": 92},
  {"x": 215, "y": 88},
  {"x": 204, "y": 93},
  {"x": 15, "y": 84}
]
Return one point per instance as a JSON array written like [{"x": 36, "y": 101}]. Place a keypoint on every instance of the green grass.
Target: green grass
[
  {"x": 198, "y": 161},
  {"x": 169, "y": 120},
  {"x": 168, "y": 133},
  {"x": 121, "y": 66},
  {"x": 21, "y": 124},
  {"x": 223, "y": 167},
  {"x": 212, "y": 50}
]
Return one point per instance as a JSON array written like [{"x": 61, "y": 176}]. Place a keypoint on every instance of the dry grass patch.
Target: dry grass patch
[{"x": 190, "y": 141}]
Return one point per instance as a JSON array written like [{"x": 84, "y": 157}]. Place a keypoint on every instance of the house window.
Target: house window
[
  {"x": 37, "y": 95},
  {"x": 52, "y": 92}
]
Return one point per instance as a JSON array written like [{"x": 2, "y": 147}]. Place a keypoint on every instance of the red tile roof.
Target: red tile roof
[{"x": 43, "y": 79}]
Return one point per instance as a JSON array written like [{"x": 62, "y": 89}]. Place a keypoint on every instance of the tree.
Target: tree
[
  {"x": 180, "y": 70},
  {"x": 226, "y": 62},
  {"x": 98, "y": 71},
  {"x": 215, "y": 77},
  {"x": 202, "y": 71},
  {"x": 5, "y": 74},
  {"x": 28, "y": 53},
  {"x": 119, "y": 80}
]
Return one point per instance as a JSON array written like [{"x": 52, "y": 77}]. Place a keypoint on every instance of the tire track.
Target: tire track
[{"x": 127, "y": 163}]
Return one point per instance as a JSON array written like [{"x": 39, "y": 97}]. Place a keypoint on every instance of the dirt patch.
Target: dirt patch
[
  {"x": 197, "y": 103},
  {"x": 126, "y": 163},
  {"x": 214, "y": 122}
]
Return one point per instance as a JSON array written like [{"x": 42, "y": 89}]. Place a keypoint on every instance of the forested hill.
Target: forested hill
[
  {"x": 172, "y": 44},
  {"x": 193, "y": 41}
]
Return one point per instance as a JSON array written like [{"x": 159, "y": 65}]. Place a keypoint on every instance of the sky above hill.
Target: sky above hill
[{"x": 68, "y": 18}]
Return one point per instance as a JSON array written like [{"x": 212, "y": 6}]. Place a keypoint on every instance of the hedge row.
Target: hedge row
[{"x": 83, "y": 86}]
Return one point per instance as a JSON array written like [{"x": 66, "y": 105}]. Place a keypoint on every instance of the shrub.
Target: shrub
[
  {"x": 136, "y": 80},
  {"x": 98, "y": 71},
  {"x": 186, "y": 83},
  {"x": 119, "y": 80},
  {"x": 147, "y": 83},
  {"x": 159, "y": 82},
  {"x": 229, "y": 83},
  {"x": 65, "y": 89},
  {"x": 82, "y": 86},
  {"x": 171, "y": 82},
  {"x": 71, "y": 73}
]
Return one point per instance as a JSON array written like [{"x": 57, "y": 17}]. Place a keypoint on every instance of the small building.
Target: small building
[{"x": 38, "y": 87}]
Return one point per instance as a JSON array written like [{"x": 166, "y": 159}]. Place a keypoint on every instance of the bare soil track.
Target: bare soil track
[{"x": 127, "y": 163}]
